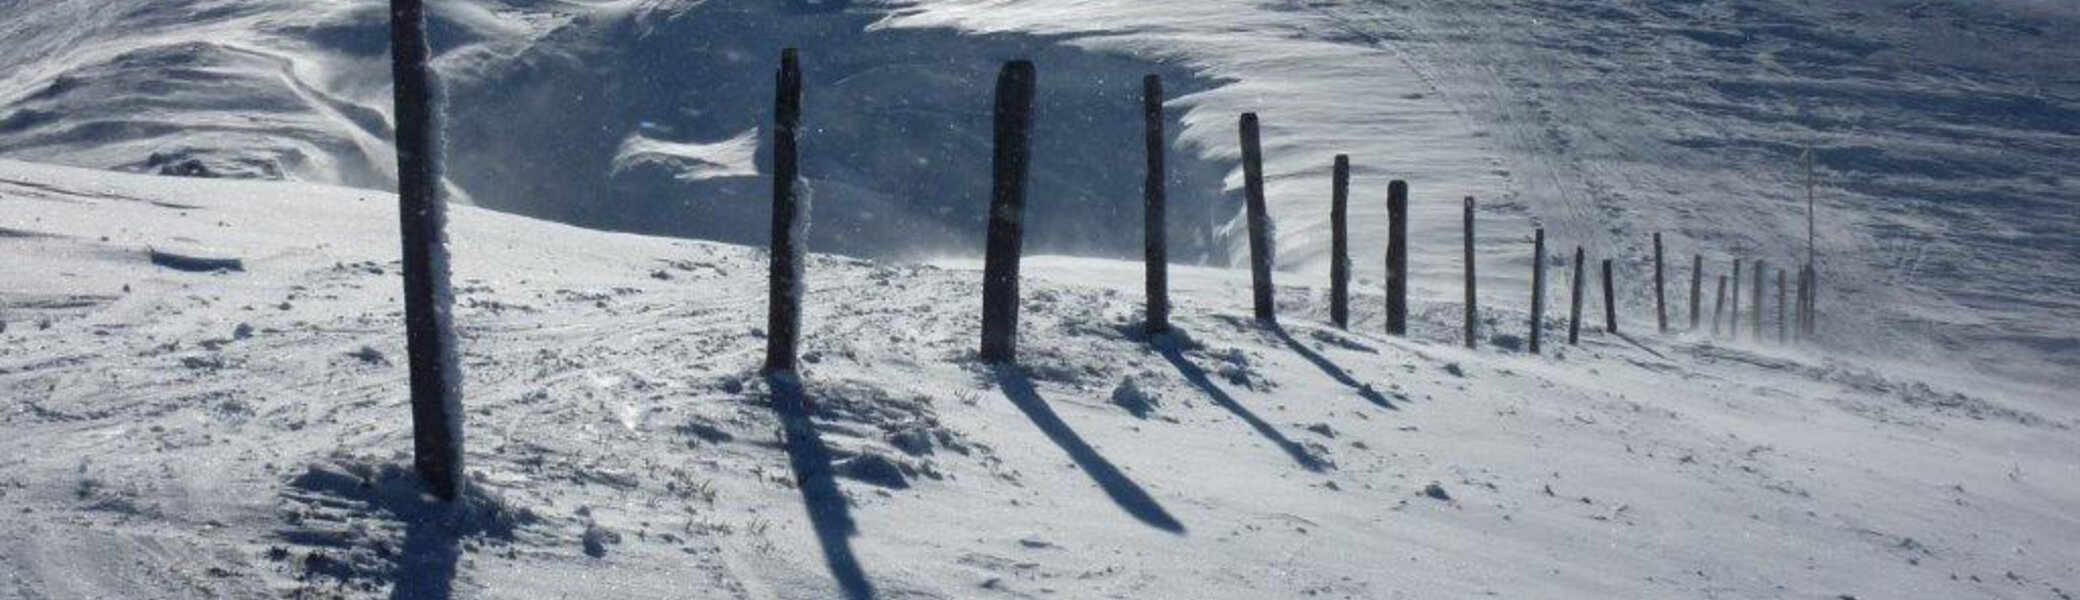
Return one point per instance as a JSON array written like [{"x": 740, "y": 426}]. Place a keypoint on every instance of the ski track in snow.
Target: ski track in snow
[{"x": 240, "y": 434}]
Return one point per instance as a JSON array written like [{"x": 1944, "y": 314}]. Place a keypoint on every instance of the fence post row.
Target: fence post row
[
  {"x": 1397, "y": 257},
  {"x": 1538, "y": 286},
  {"x": 436, "y": 378},
  {"x": 1574, "y": 303},
  {"x": 1012, "y": 155},
  {"x": 789, "y": 239},
  {"x": 1610, "y": 300},
  {"x": 1339, "y": 243},
  {"x": 1155, "y": 224},
  {"x": 1472, "y": 307},
  {"x": 1259, "y": 222},
  {"x": 1660, "y": 290}
]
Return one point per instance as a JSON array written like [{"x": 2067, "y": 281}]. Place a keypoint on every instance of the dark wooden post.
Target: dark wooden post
[
  {"x": 1014, "y": 136},
  {"x": 1610, "y": 299},
  {"x": 1339, "y": 243},
  {"x": 1805, "y": 291},
  {"x": 1781, "y": 293},
  {"x": 1397, "y": 257},
  {"x": 436, "y": 376},
  {"x": 1472, "y": 307},
  {"x": 1755, "y": 324},
  {"x": 1538, "y": 287},
  {"x": 1154, "y": 222},
  {"x": 784, "y": 276},
  {"x": 1574, "y": 304},
  {"x": 1696, "y": 288},
  {"x": 1718, "y": 306},
  {"x": 1660, "y": 289},
  {"x": 1259, "y": 222},
  {"x": 1733, "y": 317},
  {"x": 1813, "y": 300}
]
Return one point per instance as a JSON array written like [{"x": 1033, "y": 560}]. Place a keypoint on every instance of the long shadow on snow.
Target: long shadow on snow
[
  {"x": 1197, "y": 377},
  {"x": 1330, "y": 368},
  {"x": 1124, "y": 492},
  {"x": 829, "y": 514},
  {"x": 426, "y": 569}
]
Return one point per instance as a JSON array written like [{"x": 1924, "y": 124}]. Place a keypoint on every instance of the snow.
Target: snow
[{"x": 623, "y": 445}]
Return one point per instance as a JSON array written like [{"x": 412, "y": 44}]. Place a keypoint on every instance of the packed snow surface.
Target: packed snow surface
[{"x": 172, "y": 433}]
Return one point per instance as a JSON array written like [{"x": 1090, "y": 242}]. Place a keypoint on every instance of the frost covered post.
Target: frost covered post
[
  {"x": 1574, "y": 304},
  {"x": 1538, "y": 286},
  {"x": 1660, "y": 288},
  {"x": 1397, "y": 257},
  {"x": 1733, "y": 317},
  {"x": 1718, "y": 306},
  {"x": 1014, "y": 136},
  {"x": 1259, "y": 221},
  {"x": 1696, "y": 287},
  {"x": 436, "y": 377},
  {"x": 1154, "y": 226},
  {"x": 1472, "y": 310},
  {"x": 1755, "y": 323},
  {"x": 1781, "y": 293},
  {"x": 784, "y": 277},
  {"x": 1340, "y": 243},
  {"x": 1610, "y": 299}
]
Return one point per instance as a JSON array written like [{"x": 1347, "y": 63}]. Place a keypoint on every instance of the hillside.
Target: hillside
[{"x": 175, "y": 434}]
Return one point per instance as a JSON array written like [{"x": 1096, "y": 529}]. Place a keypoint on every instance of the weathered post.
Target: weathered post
[
  {"x": 1610, "y": 300},
  {"x": 1733, "y": 317},
  {"x": 1014, "y": 136},
  {"x": 1781, "y": 293},
  {"x": 1472, "y": 308},
  {"x": 1813, "y": 300},
  {"x": 1339, "y": 243},
  {"x": 1259, "y": 222},
  {"x": 1538, "y": 287},
  {"x": 1696, "y": 288},
  {"x": 435, "y": 374},
  {"x": 1154, "y": 222},
  {"x": 1574, "y": 300},
  {"x": 1719, "y": 306},
  {"x": 1755, "y": 325},
  {"x": 1397, "y": 257},
  {"x": 1660, "y": 290},
  {"x": 784, "y": 275}
]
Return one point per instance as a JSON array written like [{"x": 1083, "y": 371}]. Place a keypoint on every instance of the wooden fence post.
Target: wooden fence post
[
  {"x": 1781, "y": 297},
  {"x": 1574, "y": 303},
  {"x": 784, "y": 274},
  {"x": 435, "y": 374},
  {"x": 1154, "y": 221},
  {"x": 1610, "y": 299},
  {"x": 1472, "y": 303},
  {"x": 1538, "y": 287},
  {"x": 1813, "y": 300},
  {"x": 1009, "y": 161},
  {"x": 1339, "y": 243},
  {"x": 1696, "y": 288},
  {"x": 1660, "y": 290},
  {"x": 1719, "y": 306},
  {"x": 1733, "y": 317},
  {"x": 1260, "y": 241},
  {"x": 1761, "y": 270},
  {"x": 1397, "y": 257}
]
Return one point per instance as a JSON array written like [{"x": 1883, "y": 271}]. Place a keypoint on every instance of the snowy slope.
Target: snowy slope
[{"x": 173, "y": 434}]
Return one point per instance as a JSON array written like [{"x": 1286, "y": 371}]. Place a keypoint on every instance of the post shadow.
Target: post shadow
[
  {"x": 1197, "y": 377},
  {"x": 829, "y": 513},
  {"x": 1123, "y": 491},
  {"x": 1334, "y": 372},
  {"x": 426, "y": 564}
]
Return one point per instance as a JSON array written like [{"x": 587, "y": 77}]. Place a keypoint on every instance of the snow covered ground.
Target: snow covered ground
[{"x": 176, "y": 434}]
